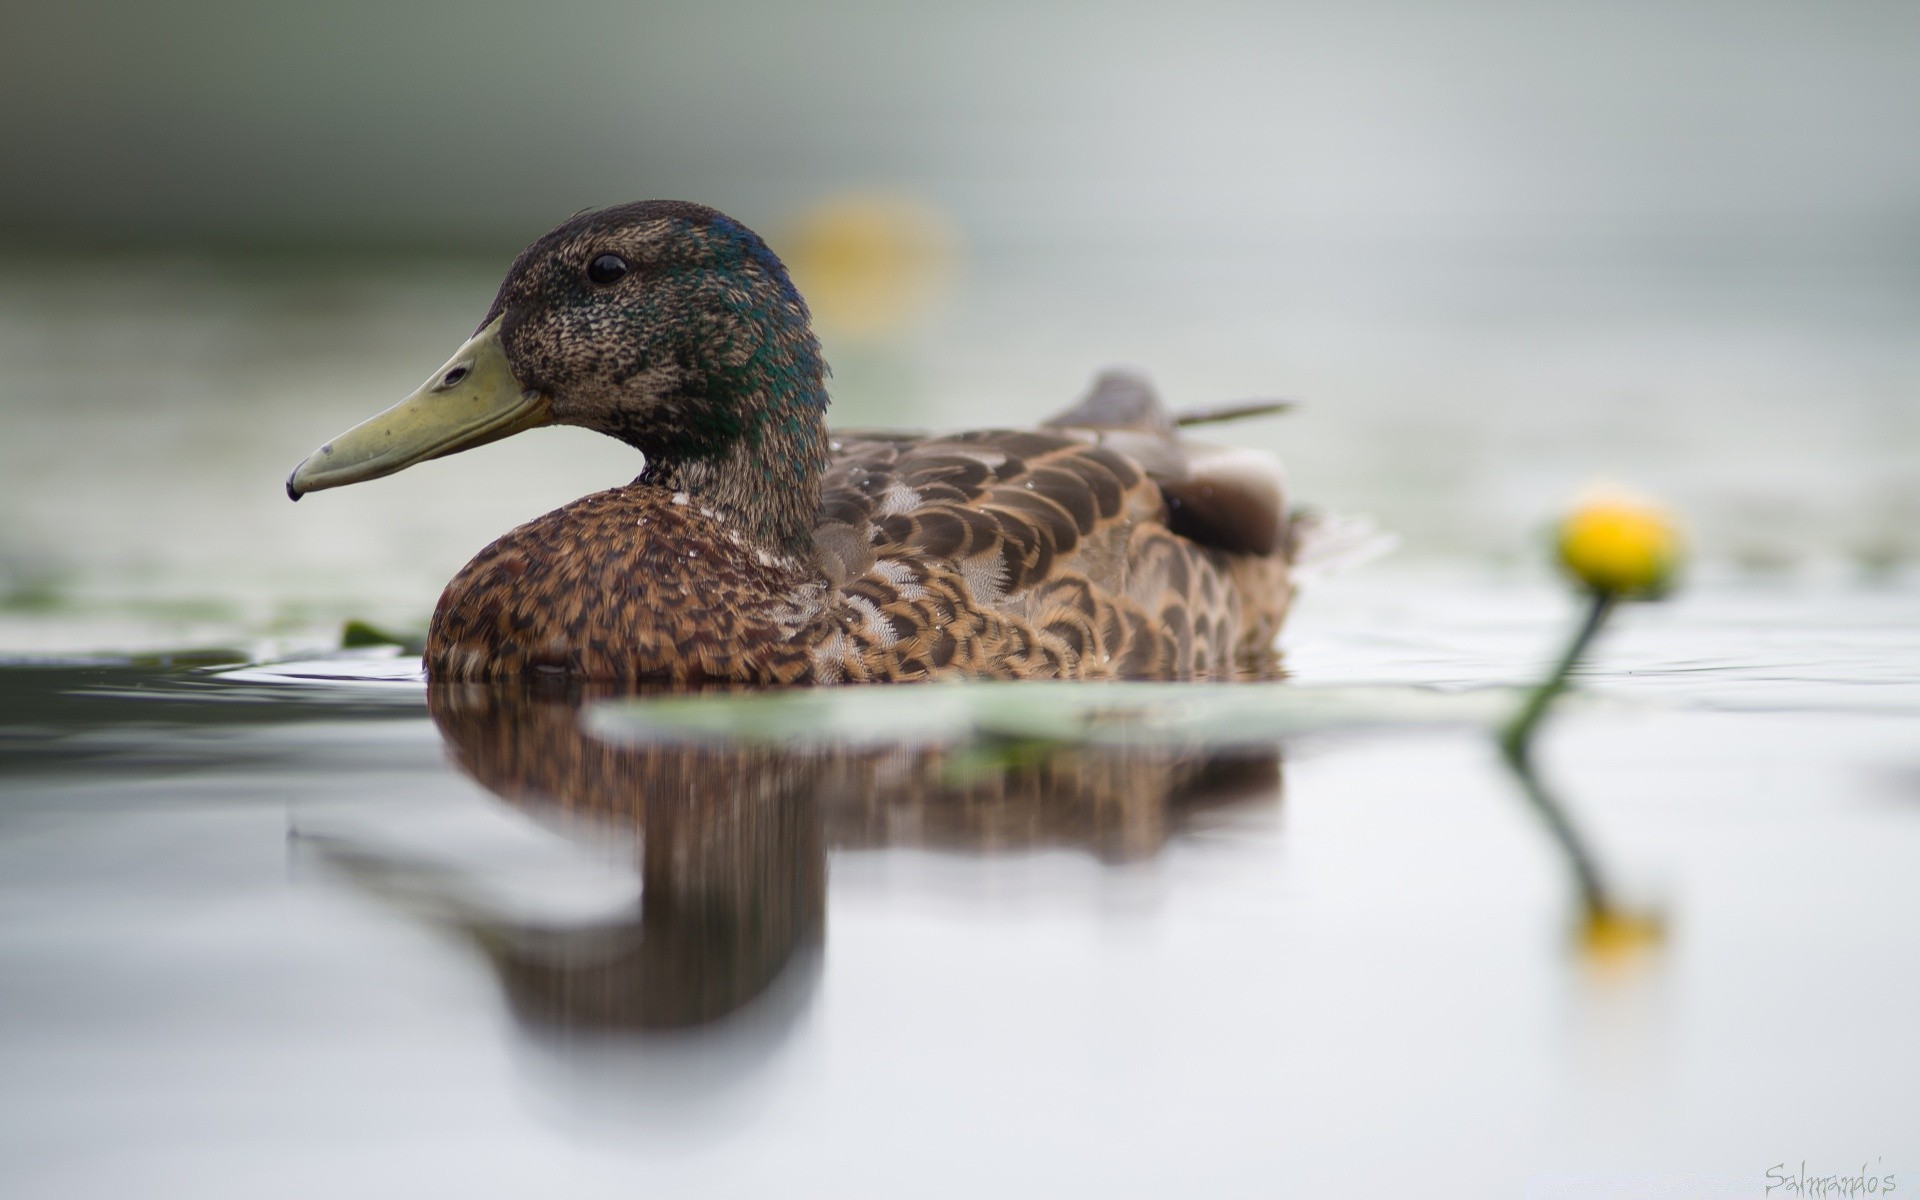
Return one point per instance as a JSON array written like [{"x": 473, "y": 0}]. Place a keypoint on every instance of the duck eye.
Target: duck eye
[{"x": 607, "y": 268}]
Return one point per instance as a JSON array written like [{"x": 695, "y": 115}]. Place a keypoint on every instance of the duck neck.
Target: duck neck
[{"x": 764, "y": 482}]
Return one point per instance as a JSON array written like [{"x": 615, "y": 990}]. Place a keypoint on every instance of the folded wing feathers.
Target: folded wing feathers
[{"x": 1103, "y": 541}]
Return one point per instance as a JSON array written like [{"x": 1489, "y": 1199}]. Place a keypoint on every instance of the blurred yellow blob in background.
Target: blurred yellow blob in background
[
  {"x": 869, "y": 263},
  {"x": 1617, "y": 542}
]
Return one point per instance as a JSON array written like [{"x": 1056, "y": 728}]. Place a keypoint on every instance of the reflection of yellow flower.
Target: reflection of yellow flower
[
  {"x": 868, "y": 262},
  {"x": 1616, "y": 943},
  {"x": 1620, "y": 544}
]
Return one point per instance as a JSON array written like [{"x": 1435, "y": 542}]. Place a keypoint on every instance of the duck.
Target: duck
[{"x": 758, "y": 547}]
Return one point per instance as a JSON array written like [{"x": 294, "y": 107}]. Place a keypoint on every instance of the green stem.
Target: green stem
[
  {"x": 1516, "y": 746},
  {"x": 1517, "y": 738}
]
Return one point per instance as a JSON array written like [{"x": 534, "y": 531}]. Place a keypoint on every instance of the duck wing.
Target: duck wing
[
  {"x": 1102, "y": 545},
  {"x": 1227, "y": 497}
]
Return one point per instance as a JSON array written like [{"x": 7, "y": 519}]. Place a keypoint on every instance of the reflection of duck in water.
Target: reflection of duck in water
[
  {"x": 733, "y": 865},
  {"x": 757, "y": 548},
  {"x": 735, "y": 840}
]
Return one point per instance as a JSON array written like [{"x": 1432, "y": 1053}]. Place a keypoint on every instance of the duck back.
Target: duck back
[{"x": 1078, "y": 551}]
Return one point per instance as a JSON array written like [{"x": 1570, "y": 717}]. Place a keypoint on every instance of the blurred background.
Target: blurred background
[{"x": 1499, "y": 250}]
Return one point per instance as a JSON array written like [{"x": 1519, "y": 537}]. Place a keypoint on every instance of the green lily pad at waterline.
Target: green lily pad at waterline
[{"x": 1134, "y": 714}]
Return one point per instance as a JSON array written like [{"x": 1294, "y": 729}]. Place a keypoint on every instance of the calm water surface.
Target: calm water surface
[
  {"x": 274, "y": 928},
  {"x": 309, "y": 929}
]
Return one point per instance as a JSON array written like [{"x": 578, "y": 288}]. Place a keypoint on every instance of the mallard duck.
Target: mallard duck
[{"x": 757, "y": 547}]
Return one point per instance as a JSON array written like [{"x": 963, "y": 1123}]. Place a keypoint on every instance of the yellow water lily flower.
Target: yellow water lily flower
[{"x": 1620, "y": 544}]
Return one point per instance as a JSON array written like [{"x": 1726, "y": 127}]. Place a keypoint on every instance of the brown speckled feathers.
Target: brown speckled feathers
[{"x": 1083, "y": 551}]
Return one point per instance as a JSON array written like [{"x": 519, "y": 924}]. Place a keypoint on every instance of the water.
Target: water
[
  {"x": 274, "y": 920},
  {"x": 306, "y": 930}
]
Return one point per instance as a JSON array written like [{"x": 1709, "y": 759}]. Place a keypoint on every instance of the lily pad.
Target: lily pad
[{"x": 1093, "y": 713}]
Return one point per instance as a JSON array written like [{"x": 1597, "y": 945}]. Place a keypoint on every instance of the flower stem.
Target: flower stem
[
  {"x": 1517, "y": 738},
  {"x": 1516, "y": 746}
]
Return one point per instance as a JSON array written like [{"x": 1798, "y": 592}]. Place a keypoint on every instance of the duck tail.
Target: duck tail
[
  {"x": 1124, "y": 399},
  {"x": 1209, "y": 414},
  {"x": 1118, "y": 399}
]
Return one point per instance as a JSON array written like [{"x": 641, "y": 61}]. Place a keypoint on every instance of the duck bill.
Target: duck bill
[{"x": 471, "y": 401}]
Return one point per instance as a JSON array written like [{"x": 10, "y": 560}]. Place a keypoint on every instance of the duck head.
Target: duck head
[{"x": 667, "y": 325}]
